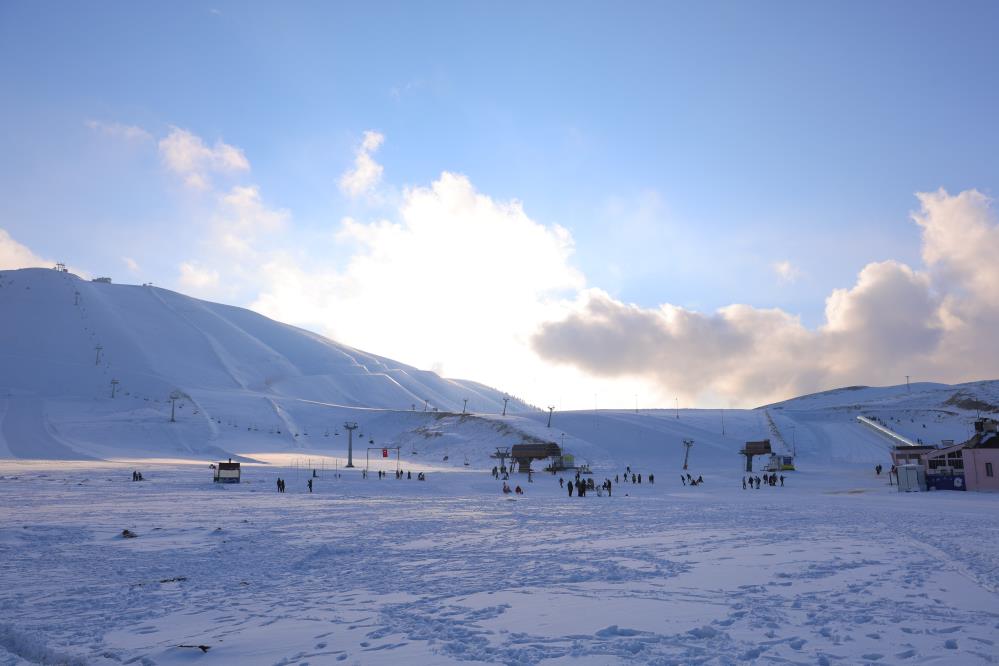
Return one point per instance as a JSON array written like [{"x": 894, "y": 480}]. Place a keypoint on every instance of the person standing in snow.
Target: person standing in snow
[
  {"x": 781, "y": 480},
  {"x": 570, "y": 489},
  {"x": 652, "y": 478},
  {"x": 608, "y": 487},
  {"x": 743, "y": 483},
  {"x": 561, "y": 482},
  {"x": 639, "y": 479},
  {"x": 310, "y": 485},
  {"x": 617, "y": 478}
]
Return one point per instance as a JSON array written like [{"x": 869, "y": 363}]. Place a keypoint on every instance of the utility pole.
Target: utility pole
[
  {"x": 506, "y": 399},
  {"x": 97, "y": 360},
  {"x": 350, "y": 427},
  {"x": 688, "y": 443},
  {"x": 550, "y": 410},
  {"x": 174, "y": 397},
  {"x": 464, "y": 406},
  {"x": 114, "y": 385}
]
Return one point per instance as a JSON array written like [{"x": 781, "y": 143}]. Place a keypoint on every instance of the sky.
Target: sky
[{"x": 582, "y": 203}]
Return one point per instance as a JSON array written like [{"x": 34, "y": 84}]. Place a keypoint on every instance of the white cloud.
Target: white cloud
[
  {"x": 894, "y": 321},
  {"x": 198, "y": 278},
  {"x": 459, "y": 278},
  {"x": 131, "y": 264},
  {"x": 15, "y": 255},
  {"x": 119, "y": 130},
  {"x": 367, "y": 173},
  {"x": 787, "y": 273},
  {"x": 188, "y": 156}
]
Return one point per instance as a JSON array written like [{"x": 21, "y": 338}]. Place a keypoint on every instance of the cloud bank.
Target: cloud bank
[{"x": 936, "y": 323}]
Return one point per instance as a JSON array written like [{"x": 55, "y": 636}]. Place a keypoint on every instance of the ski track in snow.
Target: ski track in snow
[{"x": 364, "y": 573}]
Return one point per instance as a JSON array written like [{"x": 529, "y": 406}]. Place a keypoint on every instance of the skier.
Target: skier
[
  {"x": 639, "y": 479},
  {"x": 570, "y": 489},
  {"x": 781, "y": 480},
  {"x": 310, "y": 485},
  {"x": 633, "y": 477},
  {"x": 561, "y": 482},
  {"x": 743, "y": 483},
  {"x": 279, "y": 484},
  {"x": 700, "y": 480},
  {"x": 608, "y": 487},
  {"x": 409, "y": 475},
  {"x": 683, "y": 480},
  {"x": 617, "y": 478},
  {"x": 652, "y": 478}
]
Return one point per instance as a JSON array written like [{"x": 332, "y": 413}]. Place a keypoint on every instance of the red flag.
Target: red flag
[{"x": 384, "y": 453}]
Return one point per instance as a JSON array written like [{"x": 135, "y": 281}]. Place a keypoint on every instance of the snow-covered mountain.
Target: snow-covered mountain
[
  {"x": 64, "y": 339},
  {"x": 250, "y": 385}
]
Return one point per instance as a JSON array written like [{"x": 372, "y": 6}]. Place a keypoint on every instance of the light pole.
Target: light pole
[
  {"x": 350, "y": 427},
  {"x": 550, "y": 410},
  {"x": 465, "y": 405},
  {"x": 688, "y": 443},
  {"x": 506, "y": 399}
]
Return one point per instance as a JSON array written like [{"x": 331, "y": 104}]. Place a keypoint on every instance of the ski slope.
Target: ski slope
[{"x": 251, "y": 386}]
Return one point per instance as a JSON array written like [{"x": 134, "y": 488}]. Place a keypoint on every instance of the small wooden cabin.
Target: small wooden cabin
[
  {"x": 523, "y": 454},
  {"x": 227, "y": 472}
]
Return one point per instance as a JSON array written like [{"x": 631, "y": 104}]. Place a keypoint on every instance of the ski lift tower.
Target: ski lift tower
[
  {"x": 502, "y": 453},
  {"x": 687, "y": 444},
  {"x": 350, "y": 427}
]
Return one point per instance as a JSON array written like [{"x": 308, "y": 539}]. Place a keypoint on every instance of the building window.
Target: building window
[{"x": 988, "y": 470}]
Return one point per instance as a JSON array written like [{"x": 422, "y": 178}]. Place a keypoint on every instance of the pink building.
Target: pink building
[{"x": 981, "y": 457}]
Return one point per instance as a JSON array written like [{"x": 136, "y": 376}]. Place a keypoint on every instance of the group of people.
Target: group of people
[
  {"x": 635, "y": 478},
  {"x": 399, "y": 474},
  {"x": 767, "y": 480},
  {"x": 688, "y": 480},
  {"x": 506, "y": 489},
  {"x": 137, "y": 476},
  {"x": 497, "y": 471},
  {"x": 280, "y": 484}
]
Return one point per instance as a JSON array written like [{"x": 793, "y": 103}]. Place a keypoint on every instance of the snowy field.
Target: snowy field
[{"x": 835, "y": 568}]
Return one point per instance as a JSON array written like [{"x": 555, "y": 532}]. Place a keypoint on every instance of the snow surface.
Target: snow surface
[{"x": 835, "y": 568}]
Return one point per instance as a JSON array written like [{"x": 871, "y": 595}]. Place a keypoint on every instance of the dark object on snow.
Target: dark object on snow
[
  {"x": 128, "y": 534},
  {"x": 227, "y": 472},
  {"x": 203, "y": 648}
]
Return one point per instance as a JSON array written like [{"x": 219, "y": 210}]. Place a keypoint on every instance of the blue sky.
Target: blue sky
[{"x": 687, "y": 148}]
